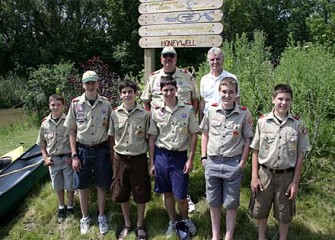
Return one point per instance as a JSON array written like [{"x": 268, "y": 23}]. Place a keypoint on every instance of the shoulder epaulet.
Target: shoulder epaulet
[
  {"x": 75, "y": 99},
  {"x": 261, "y": 116},
  {"x": 43, "y": 119},
  {"x": 296, "y": 117},
  {"x": 188, "y": 103},
  {"x": 244, "y": 108},
  {"x": 104, "y": 98},
  {"x": 215, "y": 104},
  {"x": 156, "y": 107}
]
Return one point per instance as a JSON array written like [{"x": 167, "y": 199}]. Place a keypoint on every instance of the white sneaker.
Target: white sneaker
[
  {"x": 171, "y": 229},
  {"x": 85, "y": 224},
  {"x": 191, "y": 205},
  {"x": 103, "y": 226},
  {"x": 191, "y": 227}
]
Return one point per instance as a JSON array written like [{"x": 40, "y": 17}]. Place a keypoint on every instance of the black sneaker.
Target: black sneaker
[
  {"x": 61, "y": 215},
  {"x": 70, "y": 210}
]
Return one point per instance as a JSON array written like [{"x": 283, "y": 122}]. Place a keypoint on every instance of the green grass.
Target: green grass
[
  {"x": 12, "y": 135},
  {"x": 35, "y": 218}
]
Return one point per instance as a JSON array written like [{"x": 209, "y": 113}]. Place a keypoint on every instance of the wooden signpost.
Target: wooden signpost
[
  {"x": 178, "y": 5},
  {"x": 178, "y": 23},
  {"x": 181, "y": 41},
  {"x": 181, "y": 17},
  {"x": 181, "y": 29}
]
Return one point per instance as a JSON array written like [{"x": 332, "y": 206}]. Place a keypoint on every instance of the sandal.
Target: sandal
[
  {"x": 124, "y": 233},
  {"x": 142, "y": 236}
]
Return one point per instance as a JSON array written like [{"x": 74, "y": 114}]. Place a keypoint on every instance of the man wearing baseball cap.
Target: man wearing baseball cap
[
  {"x": 152, "y": 96},
  {"x": 88, "y": 120}
]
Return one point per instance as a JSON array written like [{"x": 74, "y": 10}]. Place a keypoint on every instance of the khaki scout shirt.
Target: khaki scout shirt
[
  {"x": 130, "y": 130},
  {"x": 54, "y": 136},
  {"x": 279, "y": 144},
  {"x": 173, "y": 126},
  {"x": 186, "y": 90},
  {"x": 226, "y": 133},
  {"x": 90, "y": 122}
]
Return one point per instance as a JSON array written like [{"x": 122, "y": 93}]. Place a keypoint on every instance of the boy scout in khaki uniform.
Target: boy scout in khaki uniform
[
  {"x": 172, "y": 125},
  {"x": 53, "y": 138},
  {"x": 152, "y": 95},
  {"x": 279, "y": 145},
  {"x": 226, "y": 136},
  {"x": 88, "y": 120},
  {"x": 128, "y": 128}
]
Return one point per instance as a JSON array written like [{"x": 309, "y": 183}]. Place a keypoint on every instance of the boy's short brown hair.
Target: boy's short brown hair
[
  {"x": 57, "y": 97},
  {"x": 282, "y": 88},
  {"x": 229, "y": 81},
  {"x": 167, "y": 80},
  {"x": 128, "y": 83}
]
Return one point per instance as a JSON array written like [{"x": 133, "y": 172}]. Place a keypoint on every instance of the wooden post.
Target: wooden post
[{"x": 149, "y": 62}]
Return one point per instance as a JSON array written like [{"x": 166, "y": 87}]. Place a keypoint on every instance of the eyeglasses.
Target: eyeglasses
[{"x": 170, "y": 55}]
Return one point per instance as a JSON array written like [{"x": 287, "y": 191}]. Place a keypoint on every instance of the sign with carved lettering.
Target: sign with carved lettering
[
  {"x": 177, "y": 5},
  {"x": 181, "y": 29},
  {"x": 181, "y": 41},
  {"x": 181, "y": 17},
  {"x": 179, "y": 24}
]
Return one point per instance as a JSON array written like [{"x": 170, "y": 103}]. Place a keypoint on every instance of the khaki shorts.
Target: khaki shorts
[
  {"x": 61, "y": 174},
  {"x": 275, "y": 186}
]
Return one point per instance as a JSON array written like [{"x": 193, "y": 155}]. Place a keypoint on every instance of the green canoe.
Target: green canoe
[{"x": 18, "y": 178}]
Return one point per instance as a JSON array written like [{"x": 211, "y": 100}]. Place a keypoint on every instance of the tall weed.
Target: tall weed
[{"x": 309, "y": 69}]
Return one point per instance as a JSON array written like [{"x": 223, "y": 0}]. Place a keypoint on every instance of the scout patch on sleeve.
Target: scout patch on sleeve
[
  {"x": 249, "y": 120},
  {"x": 303, "y": 129}
]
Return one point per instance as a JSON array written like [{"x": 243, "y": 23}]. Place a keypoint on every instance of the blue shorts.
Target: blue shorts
[
  {"x": 169, "y": 167},
  {"x": 223, "y": 181},
  {"x": 94, "y": 162}
]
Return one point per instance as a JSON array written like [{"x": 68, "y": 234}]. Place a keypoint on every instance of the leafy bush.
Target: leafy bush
[
  {"x": 47, "y": 80},
  {"x": 309, "y": 69}
]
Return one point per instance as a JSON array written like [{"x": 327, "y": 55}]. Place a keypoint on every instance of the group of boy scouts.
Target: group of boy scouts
[{"x": 112, "y": 145}]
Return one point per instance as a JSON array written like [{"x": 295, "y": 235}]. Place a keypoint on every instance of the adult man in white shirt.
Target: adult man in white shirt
[{"x": 209, "y": 84}]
